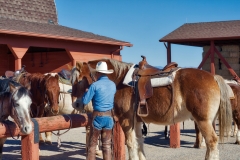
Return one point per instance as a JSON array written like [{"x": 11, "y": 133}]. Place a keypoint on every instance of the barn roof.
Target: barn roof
[
  {"x": 200, "y": 34},
  {"x": 46, "y": 30},
  {"x": 29, "y": 10}
]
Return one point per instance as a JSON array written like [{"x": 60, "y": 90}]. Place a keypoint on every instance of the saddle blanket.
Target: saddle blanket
[
  {"x": 230, "y": 91},
  {"x": 155, "y": 82}
]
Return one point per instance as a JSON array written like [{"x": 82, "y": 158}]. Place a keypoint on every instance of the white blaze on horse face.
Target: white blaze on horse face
[{"x": 23, "y": 113}]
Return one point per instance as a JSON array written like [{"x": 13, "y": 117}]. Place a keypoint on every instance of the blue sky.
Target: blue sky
[{"x": 144, "y": 22}]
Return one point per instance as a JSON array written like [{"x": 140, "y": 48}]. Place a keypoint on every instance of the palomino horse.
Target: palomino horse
[
  {"x": 193, "y": 94},
  {"x": 235, "y": 112},
  {"x": 15, "y": 102},
  {"x": 44, "y": 90}
]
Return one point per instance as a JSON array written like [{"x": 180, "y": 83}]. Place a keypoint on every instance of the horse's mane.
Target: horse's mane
[
  {"x": 4, "y": 85},
  {"x": 74, "y": 75},
  {"x": 5, "y": 88},
  {"x": 118, "y": 66}
]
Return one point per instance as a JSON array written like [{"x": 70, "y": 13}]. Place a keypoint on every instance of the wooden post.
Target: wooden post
[
  {"x": 212, "y": 58},
  {"x": 30, "y": 150},
  {"x": 175, "y": 136}
]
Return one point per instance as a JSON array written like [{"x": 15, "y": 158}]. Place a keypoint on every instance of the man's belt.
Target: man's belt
[{"x": 106, "y": 113}]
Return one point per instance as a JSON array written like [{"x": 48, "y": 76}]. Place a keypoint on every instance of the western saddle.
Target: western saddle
[{"x": 142, "y": 76}]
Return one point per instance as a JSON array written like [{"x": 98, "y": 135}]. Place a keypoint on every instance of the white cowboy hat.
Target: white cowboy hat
[{"x": 103, "y": 68}]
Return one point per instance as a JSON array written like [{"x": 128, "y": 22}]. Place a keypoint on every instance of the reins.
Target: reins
[{"x": 58, "y": 134}]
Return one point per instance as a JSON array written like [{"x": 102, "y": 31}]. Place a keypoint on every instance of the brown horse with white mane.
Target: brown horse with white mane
[{"x": 193, "y": 94}]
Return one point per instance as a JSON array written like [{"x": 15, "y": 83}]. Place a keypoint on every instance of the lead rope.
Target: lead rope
[{"x": 58, "y": 134}]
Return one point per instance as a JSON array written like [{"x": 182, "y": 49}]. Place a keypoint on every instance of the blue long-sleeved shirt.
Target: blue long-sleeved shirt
[{"x": 101, "y": 93}]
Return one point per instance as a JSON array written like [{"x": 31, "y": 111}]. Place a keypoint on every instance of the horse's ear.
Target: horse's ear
[
  {"x": 12, "y": 87},
  {"x": 79, "y": 65},
  {"x": 56, "y": 76},
  {"x": 70, "y": 67}
]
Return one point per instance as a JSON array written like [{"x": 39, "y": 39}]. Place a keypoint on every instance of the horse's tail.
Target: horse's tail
[{"x": 225, "y": 108}]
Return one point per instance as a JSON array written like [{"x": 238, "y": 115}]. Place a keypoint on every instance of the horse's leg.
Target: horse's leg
[
  {"x": 48, "y": 136},
  {"x": 132, "y": 143},
  {"x": 199, "y": 142},
  {"x": 235, "y": 130},
  {"x": 40, "y": 138},
  {"x": 140, "y": 140},
  {"x": 166, "y": 132},
  {"x": 238, "y": 132},
  {"x": 2, "y": 141},
  {"x": 208, "y": 132}
]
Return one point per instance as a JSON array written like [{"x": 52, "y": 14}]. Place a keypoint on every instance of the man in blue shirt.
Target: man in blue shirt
[{"x": 102, "y": 94}]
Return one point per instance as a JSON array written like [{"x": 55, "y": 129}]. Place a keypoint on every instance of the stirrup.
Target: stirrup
[{"x": 142, "y": 110}]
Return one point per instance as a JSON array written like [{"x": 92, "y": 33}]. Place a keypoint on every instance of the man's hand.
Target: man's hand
[{"x": 86, "y": 90}]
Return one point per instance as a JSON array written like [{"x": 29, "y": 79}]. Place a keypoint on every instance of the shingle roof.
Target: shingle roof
[
  {"x": 40, "y": 11},
  {"x": 198, "y": 34},
  {"x": 19, "y": 27}
]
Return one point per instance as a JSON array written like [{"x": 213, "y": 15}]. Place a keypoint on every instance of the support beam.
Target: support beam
[
  {"x": 233, "y": 73},
  {"x": 73, "y": 55},
  {"x": 18, "y": 53},
  {"x": 204, "y": 59},
  {"x": 212, "y": 57},
  {"x": 174, "y": 129},
  {"x": 169, "y": 57}
]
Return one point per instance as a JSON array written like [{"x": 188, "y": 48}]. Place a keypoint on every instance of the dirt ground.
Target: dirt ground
[{"x": 155, "y": 145}]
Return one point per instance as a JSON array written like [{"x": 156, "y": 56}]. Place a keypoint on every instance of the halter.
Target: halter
[{"x": 13, "y": 107}]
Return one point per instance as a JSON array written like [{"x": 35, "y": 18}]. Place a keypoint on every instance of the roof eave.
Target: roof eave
[
  {"x": 199, "y": 39},
  {"x": 31, "y": 34}
]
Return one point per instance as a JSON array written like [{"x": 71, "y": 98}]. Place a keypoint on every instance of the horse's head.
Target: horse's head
[
  {"x": 52, "y": 92},
  {"x": 81, "y": 80},
  {"x": 20, "y": 107},
  {"x": 82, "y": 76}
]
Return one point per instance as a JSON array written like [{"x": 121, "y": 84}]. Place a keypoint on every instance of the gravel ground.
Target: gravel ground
[{"x": 155, "y": 145}]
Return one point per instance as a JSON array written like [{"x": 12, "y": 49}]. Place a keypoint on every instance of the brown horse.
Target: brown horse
[
  {"x": 235, "y": 112},
  {"x": 15, "y": 101},
  {"x": 193, "y": 94},
  {"x": 45, "y": 91}
]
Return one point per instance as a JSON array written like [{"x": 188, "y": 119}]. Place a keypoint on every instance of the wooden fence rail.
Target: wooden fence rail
[{"x": 30, "y": 147}]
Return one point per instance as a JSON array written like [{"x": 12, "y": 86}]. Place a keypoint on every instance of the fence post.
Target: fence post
[{"x": 30, "y": 150}]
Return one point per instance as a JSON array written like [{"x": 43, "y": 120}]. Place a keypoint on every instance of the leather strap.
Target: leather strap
[{"x": 107, "y": 113}]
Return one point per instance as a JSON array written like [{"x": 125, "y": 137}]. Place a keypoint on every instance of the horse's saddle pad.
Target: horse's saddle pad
[
  {"x": 128, "y": 78},
  {"x": 155, "y": 81}
]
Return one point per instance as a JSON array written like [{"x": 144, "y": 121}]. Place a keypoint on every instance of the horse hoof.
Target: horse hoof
[
  {"x": 41, "y": 142},
  {"x": 237, "y": 142},
  {"x": 196, "y": 146},
  {"x": 48, "y": 142}
]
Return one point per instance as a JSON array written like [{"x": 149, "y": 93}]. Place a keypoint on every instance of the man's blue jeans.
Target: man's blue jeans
[{"x": 103, "y": 122}]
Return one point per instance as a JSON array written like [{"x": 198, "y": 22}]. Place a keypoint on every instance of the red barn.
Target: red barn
[{"x": 30, "y": 35}]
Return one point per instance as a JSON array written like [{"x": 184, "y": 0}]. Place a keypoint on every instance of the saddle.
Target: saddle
[
  {"x": 143, "y": 76},
  {"x": 65, "y": 74},
  {"x": 11, "y": 74}
]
